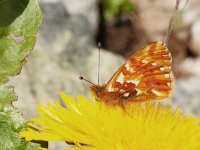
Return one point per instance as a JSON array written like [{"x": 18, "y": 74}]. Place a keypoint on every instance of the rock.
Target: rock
[
  {"x": 59, "y": 29},
  {"x": 191, "y": 66},
  {"x": 195, "y": 36},
  {"x": 191, "y": 19},
  {"x": 191, "y": 13},
  {"x": 87, "y": 9},
  {"x": 155, "y": 16},
  {"x": 186, "y": 94}
]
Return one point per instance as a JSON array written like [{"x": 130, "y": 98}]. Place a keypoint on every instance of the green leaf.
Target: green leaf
[
  {"x": 19, "y": 21},
  {"x": 6, "y": 94},
  {"x": 11, "y": 123},
  {"x": 115, "y": 8}
]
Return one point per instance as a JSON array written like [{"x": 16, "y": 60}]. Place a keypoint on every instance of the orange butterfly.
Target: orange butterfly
[{"x": 146, "y": 76}]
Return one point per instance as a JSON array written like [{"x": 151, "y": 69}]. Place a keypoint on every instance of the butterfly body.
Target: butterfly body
[
  {"x": 111, "y": 98},
  {"x": 145, "y": 76}
]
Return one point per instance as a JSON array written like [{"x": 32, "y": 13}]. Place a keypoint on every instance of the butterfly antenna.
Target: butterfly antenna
[
  {"x": 81, "y": 78},
  {"x": 171, "y": 22},
  {"x": 99, "y": 45}
]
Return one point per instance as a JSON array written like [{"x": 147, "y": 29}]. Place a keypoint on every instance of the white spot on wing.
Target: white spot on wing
[
  {"x": 145, "y": 61},
  {"x": 110, "y": 89},
  {"x": 162, "y": 68},
  {"x": 126, "y": 94},
  {"x": 136, "y": 82},
  {"x": 154, "y": 64},
  {"x": 159, "y": 43},
  {"x": 115, "y": 89},
  {"x": 138, "y": 92},
  {"x": 121, "y": 90},
  {"x": 167, "y": 75},
  {"x": 168, "y": 83},
  {"x": 120, "y": 78},
  {"x": 132, "y": 70},
  {"x": 156, "y": 92},
  {"x": 129, "y": 68}
]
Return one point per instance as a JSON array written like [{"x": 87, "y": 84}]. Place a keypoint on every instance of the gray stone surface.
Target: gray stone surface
[
  {"x": 86, "y": 8},
  {"x": 195, "y": 36},
  {"x": 187, "y": 95},
  {"x": 154, "y": 16},
  {"x": 187, "y": 89}
]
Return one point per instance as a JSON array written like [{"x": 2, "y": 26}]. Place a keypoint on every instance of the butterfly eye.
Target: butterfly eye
[{"x": 98, "y": 90}]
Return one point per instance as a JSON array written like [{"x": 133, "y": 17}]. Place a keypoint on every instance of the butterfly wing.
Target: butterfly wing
[{"x": 145, "y": 76}]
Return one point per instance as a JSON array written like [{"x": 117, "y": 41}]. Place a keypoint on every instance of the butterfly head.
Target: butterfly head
[{"x": 97, "y": 91}]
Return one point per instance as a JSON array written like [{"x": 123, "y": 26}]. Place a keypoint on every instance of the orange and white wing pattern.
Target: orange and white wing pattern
[{"x": 147, "y": 75}]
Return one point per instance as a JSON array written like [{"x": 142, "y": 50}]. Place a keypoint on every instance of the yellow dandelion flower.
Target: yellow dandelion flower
[
  {"x": 94, "y": 126},
  {"x": 40, "y": 148}
]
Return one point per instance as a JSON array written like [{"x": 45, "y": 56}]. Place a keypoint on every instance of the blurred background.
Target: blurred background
[{"x": 67, "y": 40}]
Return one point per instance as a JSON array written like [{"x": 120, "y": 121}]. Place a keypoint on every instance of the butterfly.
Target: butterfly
[{"x": 145, "y": 76}]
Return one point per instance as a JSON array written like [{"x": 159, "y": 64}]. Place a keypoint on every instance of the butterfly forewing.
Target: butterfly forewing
[{"x": 145, "y": 76}]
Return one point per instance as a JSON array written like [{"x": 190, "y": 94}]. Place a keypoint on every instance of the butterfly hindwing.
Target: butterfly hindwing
[{"x": 145, "y": 76}]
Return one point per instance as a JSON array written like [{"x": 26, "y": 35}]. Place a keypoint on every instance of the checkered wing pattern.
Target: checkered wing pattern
[{"x": 147, "y": 75}]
